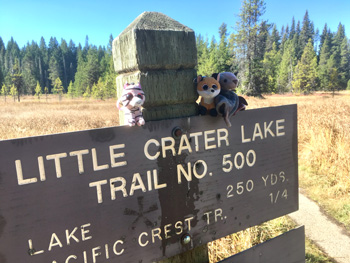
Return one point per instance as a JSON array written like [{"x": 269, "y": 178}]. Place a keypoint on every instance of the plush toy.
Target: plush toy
[
  {"x": 227, "y": 102},
  {"x": 131, "y": 100},
  {"x": 208, "y": 88}
]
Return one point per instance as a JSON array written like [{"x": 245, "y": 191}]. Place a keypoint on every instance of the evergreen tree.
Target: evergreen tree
[
  {"x": 2, "y": 62},
  {"x": 292, "y": 29},
  {"x": 323, "y": 36},
  {"x": 54, "y": 70},
  {"x": 71, "y": 91},
  {"x": 17, "y": 80},
  {"x": 43, "y": 63},
  {"x": 247, "y": 44},
  {"x": 307, "y": 32},
  {"x": 87, "y": 93},
  {"x": 81, "y": 80},
  {"x": 46, "y": 91},
  {"x": 38, "y": 90},
  {"x": 305, "y": 77},
  {"x": 223, "y": 56},
  {"x": 99, "y": 90},
  {"x": 58, "y": 88},
  {"x": 344, "y": 67},
  {"x": 323, "y": 70},
  {"x": 13, "y": 92},
  {"x": 273, "y": 38},
  {"x": 4, "y": 91},
  {"x": 272, "y": 60},
  {"x": 30, "y": 69},
  {"x": 285, "y": 70}
]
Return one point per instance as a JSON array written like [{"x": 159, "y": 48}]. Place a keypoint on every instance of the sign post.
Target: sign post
[{"x": 144, "y": 194}]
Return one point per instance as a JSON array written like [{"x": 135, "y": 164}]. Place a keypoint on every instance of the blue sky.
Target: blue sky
[{"x": 74, "y": 19}]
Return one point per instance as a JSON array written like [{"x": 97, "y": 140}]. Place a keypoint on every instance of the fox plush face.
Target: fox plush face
[{"x": 208, "y": 87}]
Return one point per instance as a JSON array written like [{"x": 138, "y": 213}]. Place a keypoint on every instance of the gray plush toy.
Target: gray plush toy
[{"x": 228, "y": 103}]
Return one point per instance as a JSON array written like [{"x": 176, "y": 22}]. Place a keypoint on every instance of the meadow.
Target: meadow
[{"x": 324, "y": 150}]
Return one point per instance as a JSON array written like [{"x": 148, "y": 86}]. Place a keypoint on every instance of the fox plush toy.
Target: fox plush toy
[
  {"x": 208, "y": 88},
  {"x": 131, "y": 100}
]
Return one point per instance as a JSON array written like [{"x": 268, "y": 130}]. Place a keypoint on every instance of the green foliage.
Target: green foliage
[
  {"x": 99, "y": 90},
  {"x": 58, "y": 88},
  {"x": 348, "y": 86},
  {"x": 271, "y": 62},
  {"x": 87, "y": 93},
  {"x": 4, "y": 91},
  {"x": 17, "y": 79},
  {"x": 71, "y": 90},
  {"x": 13, "y": 92},
  {"x": 266, "y": 60},
  {"x": 305, "y": 77},
  {"x": 38, "y": 90},
  {"x": 251, "y": 45}
]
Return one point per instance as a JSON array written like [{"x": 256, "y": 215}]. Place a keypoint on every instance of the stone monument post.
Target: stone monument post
[{"x": 161, "y": 54}]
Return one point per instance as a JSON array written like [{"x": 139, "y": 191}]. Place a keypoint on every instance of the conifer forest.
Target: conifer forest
[{"x": 266, "y": 57}]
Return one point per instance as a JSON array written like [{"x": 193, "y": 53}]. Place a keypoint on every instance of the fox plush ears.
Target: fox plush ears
[{"x": 199, "y": 78}]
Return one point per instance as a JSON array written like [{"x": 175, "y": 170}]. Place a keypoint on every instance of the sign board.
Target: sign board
[
  {"x": 142, "y": 194},
  {"x": 287, "y": 248}
]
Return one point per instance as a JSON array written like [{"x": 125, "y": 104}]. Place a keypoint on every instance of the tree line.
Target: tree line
[
  {"x": 57, "y": 68},
  {"x": 297, "y": 58}
]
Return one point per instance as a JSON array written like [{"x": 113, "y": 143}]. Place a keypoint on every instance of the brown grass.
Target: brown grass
[
  {"x": 324, "y": 148},
  {"x": 32, "y": 117}
]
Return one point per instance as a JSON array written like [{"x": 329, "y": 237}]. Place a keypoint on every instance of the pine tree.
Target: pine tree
[
  {"x": 273, "y": 38},
  {"x": 38, "y": 90},
  {"x": 272, "y": 60},
  {"x": 87, "y": 93},
  {"x": 4, "y": 91},
  {"x": 54, "y": 70},
  {"x": 285, "y": 70},
  {"x": 292, "y": 29},
  {"x": 71, "y": 91},
  {"x": 17, "y": 79},
  {"x": 323, "y": 70},
  {"x": 58, "y": 88},
  {"x": 344, "y": 67},
  {"x": 13, "y": 92},
  {"x": 307, "y": 32},
  {"x": 223, "y": 56},
  {"x": 305, "y": 77},
  {"x": 46, "y": 91},
  {"x": 99, "y": 90},
  {"x": 247, "y": 44}
]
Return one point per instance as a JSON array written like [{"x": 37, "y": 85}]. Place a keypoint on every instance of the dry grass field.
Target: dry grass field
[{"x": 324, "y": 149}]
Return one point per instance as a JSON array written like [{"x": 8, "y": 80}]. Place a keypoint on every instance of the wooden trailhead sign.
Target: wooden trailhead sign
[{"x": 143, "y": 194}]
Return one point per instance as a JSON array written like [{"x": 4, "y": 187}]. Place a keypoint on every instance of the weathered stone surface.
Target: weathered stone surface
[{"x": 154, "y": 41}]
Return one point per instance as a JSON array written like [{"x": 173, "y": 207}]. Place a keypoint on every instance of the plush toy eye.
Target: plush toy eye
[
  {"x": 139, "y": 96},
  {"x": 129, "y": 96},
  {"x": 205, "y": 87},
  {"x": 225, "y": 80},
  {"x": 214, "y": 86}
]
